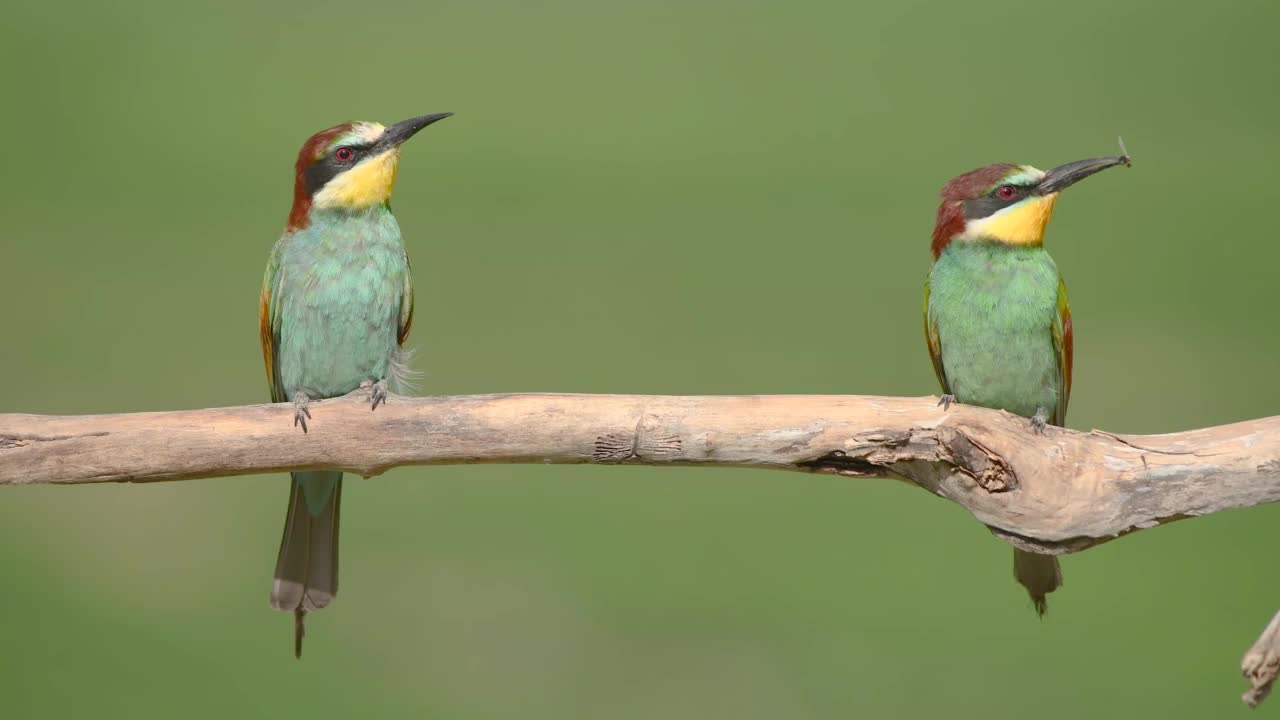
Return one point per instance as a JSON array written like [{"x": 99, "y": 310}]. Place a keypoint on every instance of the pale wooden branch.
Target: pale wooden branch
[{"x": 1057, "y": 492}]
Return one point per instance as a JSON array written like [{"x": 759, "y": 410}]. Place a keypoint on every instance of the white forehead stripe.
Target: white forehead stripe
[
  {"x": 371, "y": 131},
  {"x": 361, "y": 133},
  {"x": 1026, "y": 175}
]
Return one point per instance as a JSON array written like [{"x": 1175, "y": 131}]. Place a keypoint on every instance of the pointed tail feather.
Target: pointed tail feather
[
  {"x": 306, "y": 576},
  {"x": 1039, "y": 574}
]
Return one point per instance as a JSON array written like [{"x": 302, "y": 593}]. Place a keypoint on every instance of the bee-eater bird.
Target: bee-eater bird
[
  {"x": 995, "y": 308},
  {"x": 336, "y": 307}
]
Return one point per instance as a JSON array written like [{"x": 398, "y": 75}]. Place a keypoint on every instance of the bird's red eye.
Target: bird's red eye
[
  {"x": 1006, "y": 192},
  {"x": 344, "y": 154}
]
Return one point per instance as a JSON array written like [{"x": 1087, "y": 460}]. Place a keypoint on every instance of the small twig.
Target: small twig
[{"x": 1261, "y": 663}]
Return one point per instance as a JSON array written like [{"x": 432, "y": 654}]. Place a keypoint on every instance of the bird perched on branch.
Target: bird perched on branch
[
  {"x": 336, "y": 306},
  {"x": 995, "y": 308}
]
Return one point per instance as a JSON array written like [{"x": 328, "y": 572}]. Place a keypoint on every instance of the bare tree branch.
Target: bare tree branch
[
  {"x": 1057, "y": 492},
  {"x": 1061, "y": 491}
]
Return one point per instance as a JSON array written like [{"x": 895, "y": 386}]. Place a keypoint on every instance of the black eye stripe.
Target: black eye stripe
[
  {"x": 992, "y": 203},
  {"x": 320, "y": 172},
  {"x": 356, "y": 150},
  {"x": 329, "y": 166}
]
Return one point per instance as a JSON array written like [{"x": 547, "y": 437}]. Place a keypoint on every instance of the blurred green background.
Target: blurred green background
[{"x": 657, "y": 197}]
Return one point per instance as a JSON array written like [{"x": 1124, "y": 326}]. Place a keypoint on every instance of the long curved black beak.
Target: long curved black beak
[
  {"x": 401, "y": 131},
  {"x": 1064, "y": 176}
]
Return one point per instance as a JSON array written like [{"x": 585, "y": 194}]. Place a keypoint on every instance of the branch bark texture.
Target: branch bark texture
[
  {"x": 1057, "y": 492},
  {"x": 1060, "y": 491}
]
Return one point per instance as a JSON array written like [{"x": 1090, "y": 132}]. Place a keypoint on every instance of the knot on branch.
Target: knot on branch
[
  {"x": 890, "y": 451},
  {"x": 984, "y": 465},
  {"x": 643, "y": 443}
]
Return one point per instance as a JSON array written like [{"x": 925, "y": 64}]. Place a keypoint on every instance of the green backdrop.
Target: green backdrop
[{"x": 647, "y": 197}]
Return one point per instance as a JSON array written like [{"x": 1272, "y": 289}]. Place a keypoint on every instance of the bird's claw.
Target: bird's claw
[
  {"x": 377, "y": 392},
  {"x": 946, "y": 401},
  {"x": 301, "y": 410},
  {"x": 1040, "y": 421}
]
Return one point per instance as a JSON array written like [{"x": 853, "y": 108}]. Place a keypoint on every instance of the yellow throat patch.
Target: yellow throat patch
[
  {"x": 366, "y": 184},
  {"x": 1020, "y": 224}
]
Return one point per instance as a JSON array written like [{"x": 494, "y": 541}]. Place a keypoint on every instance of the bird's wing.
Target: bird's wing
[
  {"x": 406, "y": 303},
  {"x": 1063, "y": 343},
  {"x": 935, "y": 343},
  {"x": 269, "y": 321}
]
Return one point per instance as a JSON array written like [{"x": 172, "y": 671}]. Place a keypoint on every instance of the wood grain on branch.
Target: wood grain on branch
[{"x": 1057, "y": 492}]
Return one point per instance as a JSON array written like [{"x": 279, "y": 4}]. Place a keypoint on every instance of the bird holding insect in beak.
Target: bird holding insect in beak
[
  {"x": 995, "y": 308},
  {"x": 335, "y": 310}
]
